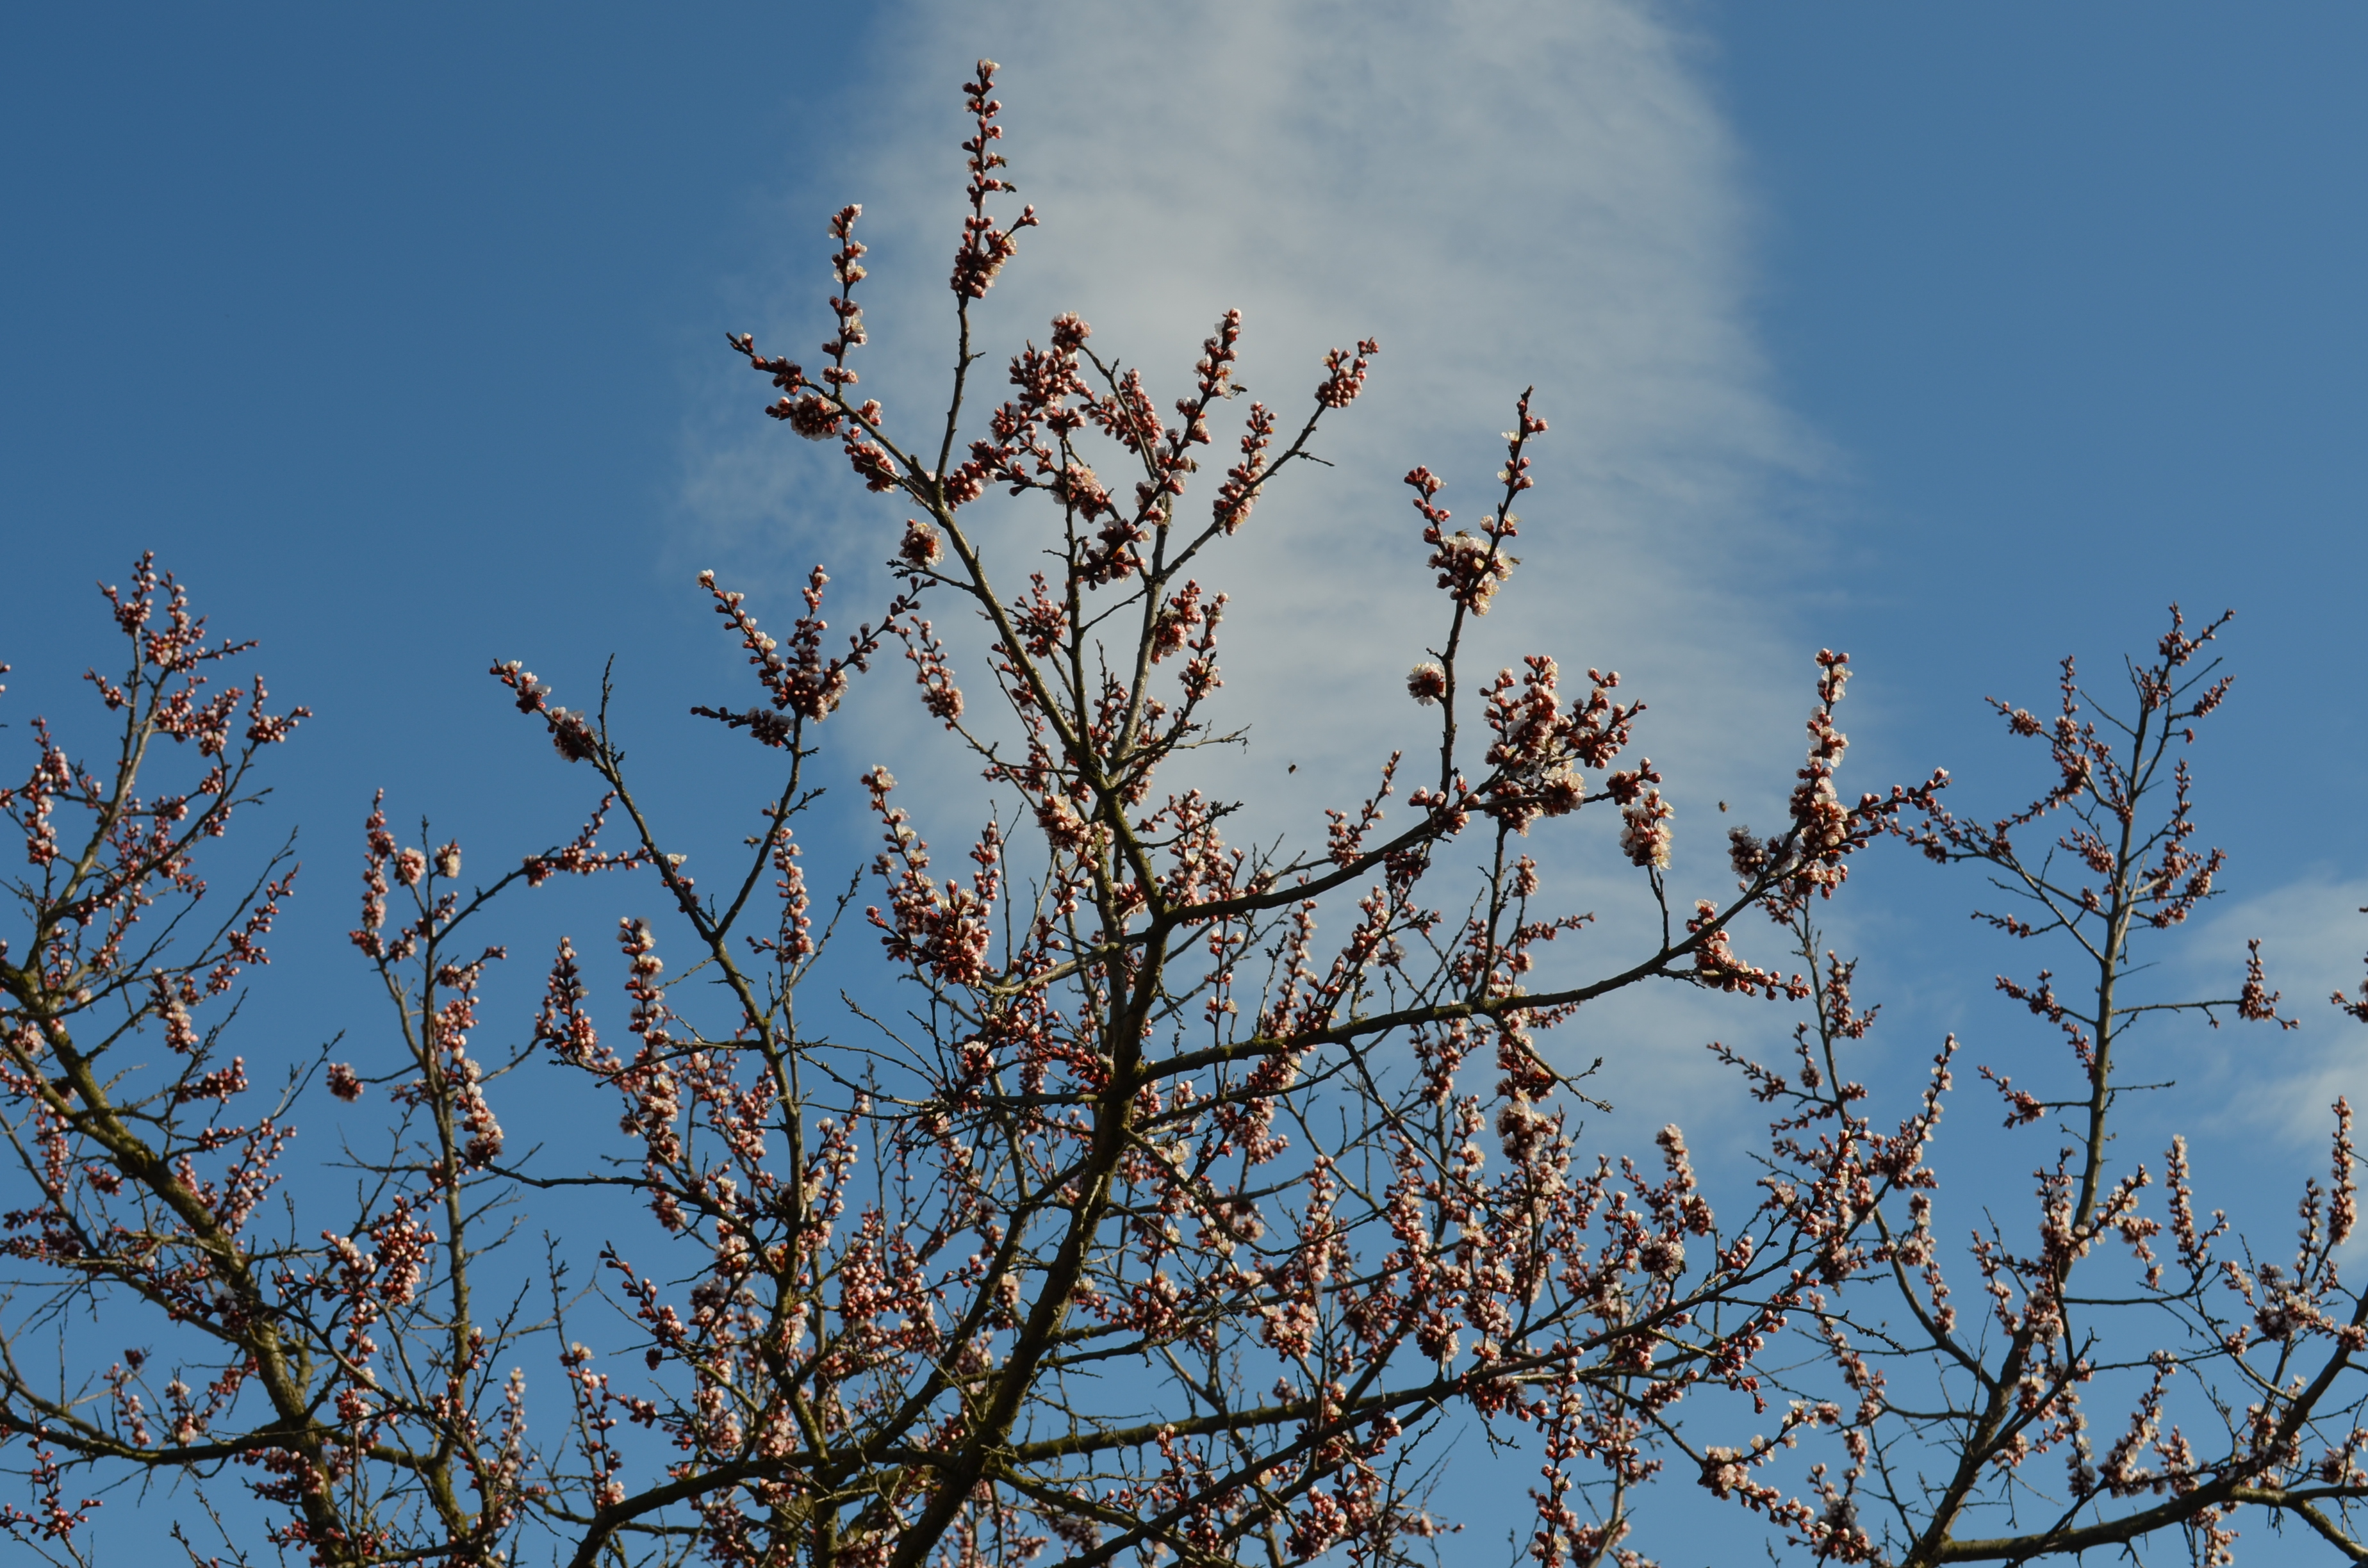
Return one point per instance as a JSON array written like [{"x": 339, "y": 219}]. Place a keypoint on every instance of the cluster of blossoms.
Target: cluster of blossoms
[
  {"x": 2260, "y": 1347},
  {"x": 305, "y": 1363},
  {"x": 1128, "y": 1188}
]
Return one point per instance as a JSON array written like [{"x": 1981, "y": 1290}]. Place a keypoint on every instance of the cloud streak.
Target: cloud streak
[{"x": 1505, "y": 195}]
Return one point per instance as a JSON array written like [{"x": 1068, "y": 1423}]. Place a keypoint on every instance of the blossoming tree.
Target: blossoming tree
[
  {"x": 1159, "y": 1223},
  {"x": 2081, "y": 1401}
]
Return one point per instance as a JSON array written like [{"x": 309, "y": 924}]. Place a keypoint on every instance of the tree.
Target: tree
[
  {"x": 1147, "y": 1221},
  {"x": 1946, "y": 1419}
]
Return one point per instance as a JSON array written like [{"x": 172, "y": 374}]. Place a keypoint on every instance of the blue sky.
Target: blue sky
[{"x": 1961, "y": 338}]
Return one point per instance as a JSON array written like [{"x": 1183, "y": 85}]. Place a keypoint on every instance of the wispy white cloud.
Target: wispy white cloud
[
  {"x": 2282, "y": 1084},
  {"x": 1505, "y": 195}
]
